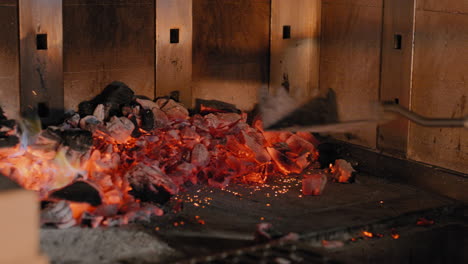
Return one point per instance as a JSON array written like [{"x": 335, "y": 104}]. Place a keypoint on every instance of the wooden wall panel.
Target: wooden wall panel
[
  {"x": 294, "y": 61},
  {"x": 230, "y": 50},
  {"x": 174, "y": 60},
  {"x": 9, "y": 58},
  {"x": 396, "y": 71},
  {"x": 350, "y": 60},
  {"x": 448, "y": 6},
  {"x": 41, "y": 70},
  {"x": 107, "y": 41},
  {"x": 440, "y": 87}
]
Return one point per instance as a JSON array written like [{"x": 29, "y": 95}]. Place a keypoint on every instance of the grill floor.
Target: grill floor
[{"x": 230, "y": 217}]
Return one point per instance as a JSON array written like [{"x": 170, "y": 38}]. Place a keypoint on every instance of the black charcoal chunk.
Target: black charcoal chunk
[
  {"x": 2, "y": 115},
  {"x": 77, "y": 139},
  {"x": 79, "y": 191},
  {"x": 147, "y": 120},
  {"x": 8, "y": 141},
  {"x": 113, "y": 96},
  {"x": 86, "y": 108}
]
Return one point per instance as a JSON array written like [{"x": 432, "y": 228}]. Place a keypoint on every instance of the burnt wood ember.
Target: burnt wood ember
[
  {"x": 8, "y": 136},
  {"x": 58, "y": 214},
  {"x": 79, "y": 191},
  {"x": 7, "y": 124},
  {"x": 342, "y": 171},
  {"x": 100, "y": 112},
  {"x": 173, "y": 110},
  {"x": 147, "y": 119},
  {"x": 161, "y": 120},
  {"x": 200, "y": 155},
  {"x": 79, "y": 140},
  {"x": 205, "y": 107},
  {"x": 150, "y": 184},
  {"x": 147, "y": 104},
  {"x": 2, "y": 115},
  {"x": 313, "y": 182},
  {"x": 90, "y": 123},
  {"x": 120, "y": 128},
  {"x": 114, "y": 96},
  {"x": 91, "y": 220},
  {"x": 72, "y": 120},
  {"x": 8, "y": 141},
  {"x": 136, "y": 133},
  {"x": 86, "y": 108}
]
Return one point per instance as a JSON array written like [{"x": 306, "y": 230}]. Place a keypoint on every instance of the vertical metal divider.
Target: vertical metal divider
[
  {"x": 174, "y": 60},
  {"x": 396, "y": 71},
  {"x": 41, "y": 58}
]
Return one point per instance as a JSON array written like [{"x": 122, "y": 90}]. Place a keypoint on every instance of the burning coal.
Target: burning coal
[{"x": 130, "y": 155}]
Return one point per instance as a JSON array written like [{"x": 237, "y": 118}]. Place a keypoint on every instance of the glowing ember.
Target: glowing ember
[
  {"x": 424, "y": 222},
  {"x": 132, "y": 161},
  {"x": 368, "y": 234},
  {"x": 332, "y": 244},
  {"x": 313, "y": 184},
  {"x": 342, "y": 171},
  {"x": 395, "y": 235}
]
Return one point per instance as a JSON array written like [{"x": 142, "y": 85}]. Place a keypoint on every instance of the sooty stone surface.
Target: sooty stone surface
[{"x": 104, "y": 245}]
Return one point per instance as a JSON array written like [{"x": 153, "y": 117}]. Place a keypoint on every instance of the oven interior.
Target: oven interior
[{"x": 406, "y": 202}]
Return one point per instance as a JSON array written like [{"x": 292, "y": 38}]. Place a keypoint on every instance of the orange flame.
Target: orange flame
[{"x": 236, "y": 151}]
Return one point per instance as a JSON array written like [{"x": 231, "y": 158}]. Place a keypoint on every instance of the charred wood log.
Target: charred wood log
[
  {"x": 205, "y": 107},
  {"x": 79, "y": 191},
  {"x": 114, "y": 95}
]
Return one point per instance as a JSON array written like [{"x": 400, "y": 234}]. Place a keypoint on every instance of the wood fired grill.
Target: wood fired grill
[{"x": 405, "y": 200}]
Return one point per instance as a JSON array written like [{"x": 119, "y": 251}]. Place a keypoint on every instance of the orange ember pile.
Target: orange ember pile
[{"x": 135, "y": 170}]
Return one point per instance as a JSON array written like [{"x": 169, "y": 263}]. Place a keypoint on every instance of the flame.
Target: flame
[{"x": 215, "y": 149}]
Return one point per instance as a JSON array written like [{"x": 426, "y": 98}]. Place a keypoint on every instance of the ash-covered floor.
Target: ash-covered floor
[{"x": 207, "y": 220}]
